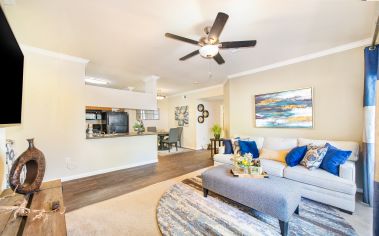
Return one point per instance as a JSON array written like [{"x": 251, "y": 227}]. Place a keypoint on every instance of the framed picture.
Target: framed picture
[
  {"x": 200, "y": 107},
  {"x": 206, "y": 113},
  {"x": 200, "y": 119},
  {"x": 287, "y": 109},
  {"x": 182, "y": 115}
]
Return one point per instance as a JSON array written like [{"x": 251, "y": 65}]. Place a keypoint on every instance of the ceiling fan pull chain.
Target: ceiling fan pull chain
[{"x": 209, "y": 70}]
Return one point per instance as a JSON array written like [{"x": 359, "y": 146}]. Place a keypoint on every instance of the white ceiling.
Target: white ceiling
[{"x": 124, "y": 40}]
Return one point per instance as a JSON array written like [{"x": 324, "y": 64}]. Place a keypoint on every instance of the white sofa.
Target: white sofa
[{"x": 318, "y": 185}]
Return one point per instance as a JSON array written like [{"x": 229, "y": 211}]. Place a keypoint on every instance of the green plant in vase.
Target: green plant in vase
[
  {"x": 245, "y": 162},
  {"x": 249, "y": 164},
  {"x": 216, "y": 130},
  {"x": 139, "y": 127}
]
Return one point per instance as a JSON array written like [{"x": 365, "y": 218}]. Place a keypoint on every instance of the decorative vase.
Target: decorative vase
[
  {"x": 34, "y": 161},
  {"x": 217, "y": 136},
  {"x": 256, "y": 170}
]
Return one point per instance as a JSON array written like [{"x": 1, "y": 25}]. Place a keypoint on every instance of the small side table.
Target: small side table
[
  {"x": 54, "y": 224},
  {"x": 214, "y": 145}
]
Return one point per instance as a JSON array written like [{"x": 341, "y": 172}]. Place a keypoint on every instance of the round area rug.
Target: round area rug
[{"x": 183, "y": 210}]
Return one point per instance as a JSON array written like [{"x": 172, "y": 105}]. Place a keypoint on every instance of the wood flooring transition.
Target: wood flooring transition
[{"x": 85, "y": 191}]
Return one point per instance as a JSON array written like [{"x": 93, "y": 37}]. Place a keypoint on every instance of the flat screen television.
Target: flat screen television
[{"x": 11, "y": 75}]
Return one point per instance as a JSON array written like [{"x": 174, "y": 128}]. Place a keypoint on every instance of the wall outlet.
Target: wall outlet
[{"x": 69, "y": 164}]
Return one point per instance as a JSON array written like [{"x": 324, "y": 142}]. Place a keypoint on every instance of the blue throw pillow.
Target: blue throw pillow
[
  {"x": 249, "y": 147},
  {"x": 295, "y": 156},
  {"x": 228, "y": 146},
  {"x": 333, "y": 158}
]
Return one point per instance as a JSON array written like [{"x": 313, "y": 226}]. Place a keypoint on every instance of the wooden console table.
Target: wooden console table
[
  {"x": 214, "y": 145},
  {"x": 53, "y": 224}
]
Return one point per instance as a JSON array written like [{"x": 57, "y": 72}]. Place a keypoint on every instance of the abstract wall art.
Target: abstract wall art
[
  {"x": 287, "y": 109},
  {"x": 182, "y": 115}
]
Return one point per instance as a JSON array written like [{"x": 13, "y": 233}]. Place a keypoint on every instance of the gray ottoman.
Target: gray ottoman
[{"x": 274, "y": 196}]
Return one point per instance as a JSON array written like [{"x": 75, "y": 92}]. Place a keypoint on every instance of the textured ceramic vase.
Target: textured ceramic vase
[{"x": 34, "y": 161}]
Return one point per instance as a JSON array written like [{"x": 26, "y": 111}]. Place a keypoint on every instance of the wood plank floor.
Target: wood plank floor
[{"x": 82, "y": 192}]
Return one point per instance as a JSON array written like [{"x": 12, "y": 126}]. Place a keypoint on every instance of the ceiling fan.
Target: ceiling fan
[{"x": 210, "y": 44}]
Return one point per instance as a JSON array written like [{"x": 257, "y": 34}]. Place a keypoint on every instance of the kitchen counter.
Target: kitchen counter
[{"x": 117, "y": 135}]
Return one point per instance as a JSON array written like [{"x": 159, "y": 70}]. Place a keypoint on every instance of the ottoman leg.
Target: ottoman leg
[
  {"x": 297, "y": 210},
  {"x": 283, "y": 227},
  {"x": 205, "y": 192}
]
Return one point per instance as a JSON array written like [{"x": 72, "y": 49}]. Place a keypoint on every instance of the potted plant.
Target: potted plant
[
  {"x": 216, "y": 130},
  {"x": 138, "y": 127}
]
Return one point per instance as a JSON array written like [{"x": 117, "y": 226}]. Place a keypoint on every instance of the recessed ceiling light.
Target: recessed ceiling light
[
  {"x": 92, "y": 80},
  {"x": 160, "y": 97},
  {"x": 196, "y": 82}
]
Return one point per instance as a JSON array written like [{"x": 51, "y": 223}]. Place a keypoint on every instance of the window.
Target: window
[{"x": 148, "y": 114}]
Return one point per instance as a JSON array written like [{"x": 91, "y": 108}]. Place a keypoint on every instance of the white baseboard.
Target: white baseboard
[
  {"x": 188, "y": 147},
  {"x": 97, "y": 172}
]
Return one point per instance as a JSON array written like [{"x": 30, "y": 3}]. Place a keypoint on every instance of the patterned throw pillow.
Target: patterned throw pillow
[
  {"x": 313, "y": 157},
  {"x": 236, "y": 146}
]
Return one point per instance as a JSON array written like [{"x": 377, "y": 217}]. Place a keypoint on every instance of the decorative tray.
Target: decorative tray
[{"x": 237, "y": 172}]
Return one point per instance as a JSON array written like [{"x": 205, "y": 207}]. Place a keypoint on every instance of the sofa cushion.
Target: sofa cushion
[
  {"x": 274, "y": 168},
  {"x": 347, "y": 171},
  {"x": 314, "y": 156},
  {"x": 228, "y": 146},
  {"x": 258, "y": 140},
  {"x": 344, "y": 145},
  {"x": 279, "y": 143},
  {"x": 333, "y": 158},
  {"x": 223, "y": 158},
  {"x": 249, "y": 147},
  {"x": 268, "y": 154},
  {"x": 295, "y": 156},
  {"x": 236, "y": 146},
  {"x": 320, "y": 178}
]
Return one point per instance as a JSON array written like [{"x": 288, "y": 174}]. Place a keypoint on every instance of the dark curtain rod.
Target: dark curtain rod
[{"x": 375, "y": 34}]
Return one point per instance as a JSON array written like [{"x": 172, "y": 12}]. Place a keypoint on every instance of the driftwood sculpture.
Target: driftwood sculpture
[{"x": 34, "y": 161}]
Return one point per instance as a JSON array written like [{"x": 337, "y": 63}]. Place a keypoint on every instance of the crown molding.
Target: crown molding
[
  {"x": 26, "y": 48},
  {"x": 307, "y": 57},
  {"x": 197, "y": 90}
]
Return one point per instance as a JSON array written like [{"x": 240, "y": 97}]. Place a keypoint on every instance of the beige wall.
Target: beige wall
[
  {"x": 192, "y": 99},
  {"x": 203, "y": 130},
  {"x": 54, "y": 100},
  {"x": 337, "y": 82},
  {"x": 227, "y": 109},
  {"x": 109, "y": 97},
  {"x": 162, "y": 123}
]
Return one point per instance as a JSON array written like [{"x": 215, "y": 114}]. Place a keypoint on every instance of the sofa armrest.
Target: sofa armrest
[{"x": 347, "y": 171}]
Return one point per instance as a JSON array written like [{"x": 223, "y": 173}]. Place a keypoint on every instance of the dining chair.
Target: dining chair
[
  {"x": 152, "y": 129},
  {"x": 172, "y": 139}
]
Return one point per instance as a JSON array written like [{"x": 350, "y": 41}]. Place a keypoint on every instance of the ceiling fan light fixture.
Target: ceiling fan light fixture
[{"x": 209, "y": 51}]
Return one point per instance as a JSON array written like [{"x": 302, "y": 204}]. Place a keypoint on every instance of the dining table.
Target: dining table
[{"x": 161, "y": 136}]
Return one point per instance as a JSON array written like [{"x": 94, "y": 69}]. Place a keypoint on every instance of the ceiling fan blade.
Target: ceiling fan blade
[
  {"x": 239, "y": 44},
  {"x": 194, "y": 53},
  {"x": 218, "y": 58},
  {"x": 217, "y": 27},
  {"x": 180, "y": 38}
]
